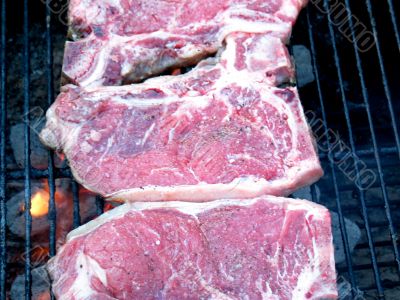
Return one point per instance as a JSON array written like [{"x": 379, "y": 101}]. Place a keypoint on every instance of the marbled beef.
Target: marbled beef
[{"x": 264, "y": 248}]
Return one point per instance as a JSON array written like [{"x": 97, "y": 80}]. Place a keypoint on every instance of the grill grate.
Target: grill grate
[
  {"x": 353, "y": 115},
  {"x": 371, "y": 245},
  {"x": 3, "y": 112},
  {"x": 27, "y": 152},
  {"x": 375, "y": 150}
]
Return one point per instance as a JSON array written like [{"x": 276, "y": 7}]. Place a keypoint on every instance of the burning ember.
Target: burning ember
[
  {"x": 39, "y": 209},
  {"x": 40, "y": 203}
]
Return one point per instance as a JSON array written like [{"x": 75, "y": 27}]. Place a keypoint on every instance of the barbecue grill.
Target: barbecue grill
[{"x": 353, "y": 105}]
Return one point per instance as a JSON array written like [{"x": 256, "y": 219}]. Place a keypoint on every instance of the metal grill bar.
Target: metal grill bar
[
  {"x": 314, "y": 196},
  {"x": 3, "y": 112},
  {"x": 383, "y": 150},
  {"x": 38, "y": 174},
  {"x": 364, "y": 209},
  {"x": 52, "y": 215},
  {"x": 75, "y": 199},
  {"x": 368, "y": 266},
  {"x": 27, "y": 170},
  {"x": 342, "y": 225},
  {"x": 374, "y": 141},
  {"x": 377, "y": 244},
  {"x": 384, "y": 77},
  {"x": 99, "y": 205},
  {"x": 394, "y": 22}
]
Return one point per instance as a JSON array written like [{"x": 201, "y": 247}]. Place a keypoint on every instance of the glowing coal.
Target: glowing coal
[{"x": 40, "y": 207}]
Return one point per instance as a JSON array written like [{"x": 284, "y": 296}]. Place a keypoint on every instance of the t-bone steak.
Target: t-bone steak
[
  {"x": 263, "y": 248},
  {"x": 219, "y": 131},
  {"x": 120, "y": 41}
]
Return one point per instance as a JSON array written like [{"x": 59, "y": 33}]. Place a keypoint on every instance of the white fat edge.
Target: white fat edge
[
  {"x": 193, "y": 208},
  {"x": 98, "y": 12},
  {"x": 185, "y": 207},
  {"x": 279, "y": 29},
  {"x": 100, "y": 66},
  {"x": 299, "y": 171},
  {"x": 113, "y": 214},
  {"x": 86, "y": 268},
  {"x": 288, "y": 8},
  {"x": 256, "y": 185},
  {"x": 238, "y": 188}
]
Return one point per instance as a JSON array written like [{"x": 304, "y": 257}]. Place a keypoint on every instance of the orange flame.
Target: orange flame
[{"x": 40, "y": 204}]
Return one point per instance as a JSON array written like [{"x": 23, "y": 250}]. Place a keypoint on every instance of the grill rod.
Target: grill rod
[
  {"x": 3, "y": 112},
  {"x": 75, "y": 199},
  {"x": 394, "y": 22},
  {"x": 27, "y": 152},
  {"x": 364, "y": 209},
  {"x": 52, "y": 212},
  {"x": 342, "y": 225}
]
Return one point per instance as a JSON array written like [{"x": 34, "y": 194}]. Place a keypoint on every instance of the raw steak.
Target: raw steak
[
  {"x": 126, "y": 41},
  {"x": 219, "y": 131},
  {"x": 265, "y": 248}
]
